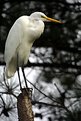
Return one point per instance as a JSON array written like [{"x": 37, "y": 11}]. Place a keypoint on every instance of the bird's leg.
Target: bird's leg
[
  {"x": 18, "y": 72},
  {"x": 24, "y": 77},
  {"x": 19, "y": 79},
  {"x": 28, "y": 90}
]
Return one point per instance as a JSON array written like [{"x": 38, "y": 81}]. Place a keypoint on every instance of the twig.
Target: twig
[
  {"x": 9, "y": 94},
  {"x": 42, "y": 92}
]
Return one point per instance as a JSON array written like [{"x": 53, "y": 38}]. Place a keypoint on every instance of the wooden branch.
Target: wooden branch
[{"x": 51, "y": 65}]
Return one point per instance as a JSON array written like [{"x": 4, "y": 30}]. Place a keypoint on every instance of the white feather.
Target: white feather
[{"x": 19, "y": 41}]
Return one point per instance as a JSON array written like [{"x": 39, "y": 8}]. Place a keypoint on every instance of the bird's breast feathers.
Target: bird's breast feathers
[
  {"x": 37, "y": 28},
  {"x": 32, "y": 29}
]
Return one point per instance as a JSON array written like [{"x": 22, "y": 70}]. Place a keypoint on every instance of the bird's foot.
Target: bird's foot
[{"x": 28, "y": 91}]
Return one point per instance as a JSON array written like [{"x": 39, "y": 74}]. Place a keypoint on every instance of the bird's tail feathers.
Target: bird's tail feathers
[{"x": 10, "y": 71}]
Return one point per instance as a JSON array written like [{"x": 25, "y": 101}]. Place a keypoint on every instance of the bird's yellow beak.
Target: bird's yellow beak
[{"x": 52, "y": 20}]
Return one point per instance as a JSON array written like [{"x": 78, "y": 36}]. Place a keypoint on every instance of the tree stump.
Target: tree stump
[{"x": 24, "y": 106}]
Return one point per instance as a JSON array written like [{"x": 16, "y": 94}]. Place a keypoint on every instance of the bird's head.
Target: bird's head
[{"x": 43, "y": 17}]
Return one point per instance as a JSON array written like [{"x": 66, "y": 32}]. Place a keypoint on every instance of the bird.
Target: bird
[{"x": 23, "y": 33}]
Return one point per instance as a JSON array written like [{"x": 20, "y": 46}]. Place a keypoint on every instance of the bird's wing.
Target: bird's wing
[
  {"x": 12, "y": 42},
  {"x": 14, "y": 38}
]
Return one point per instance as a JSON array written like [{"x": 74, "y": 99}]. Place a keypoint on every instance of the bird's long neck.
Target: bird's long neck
[{"x": 36, "y": 29}]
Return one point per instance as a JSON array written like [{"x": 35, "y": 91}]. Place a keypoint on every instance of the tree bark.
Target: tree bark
[{"x": 24, "y": 106}]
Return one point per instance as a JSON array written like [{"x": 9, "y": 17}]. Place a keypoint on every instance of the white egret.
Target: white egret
[{"x": 21, "y": 37}]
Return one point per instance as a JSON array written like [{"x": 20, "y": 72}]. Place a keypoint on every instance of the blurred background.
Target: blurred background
[{"x": 54, "y": 67}]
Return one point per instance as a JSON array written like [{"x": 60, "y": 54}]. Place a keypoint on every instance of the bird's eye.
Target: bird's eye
[{"x": 42, "y": 16}]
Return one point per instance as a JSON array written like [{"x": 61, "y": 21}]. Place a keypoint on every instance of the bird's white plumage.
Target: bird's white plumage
[
  {"x": 22, "y": 34},
  {"x": 19, "y": 41}
]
